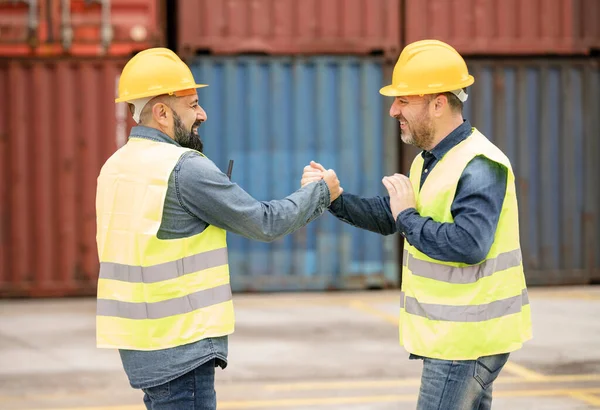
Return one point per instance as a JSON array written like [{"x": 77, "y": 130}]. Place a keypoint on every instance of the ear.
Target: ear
[
  {"x": 160, "y": 113},
  {"x": 440, "y": 103}
]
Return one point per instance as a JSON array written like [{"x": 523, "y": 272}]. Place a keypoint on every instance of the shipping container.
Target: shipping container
[
  {"x": 487, "y": 27},
  {"x": 58, "y": 124},
  {"x": 288, "y": 26},
  {"x": 21, "y": 27},
  {"x": 544, "y": 115},
  {"x": 272, "y": 115},
  {"x": 288, "y": 111},
  {"x": 113, "y": 27},
  {"x": 80, "y": 27}
]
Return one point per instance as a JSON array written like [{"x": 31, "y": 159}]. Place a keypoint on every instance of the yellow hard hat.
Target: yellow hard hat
[
  {"x": 153, "y": 72},
  {"x": 428, "y": 67}
]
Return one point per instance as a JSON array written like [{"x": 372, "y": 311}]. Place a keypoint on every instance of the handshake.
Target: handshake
[
  {"x": 315, "y": 172},
  {"x": 399, "y": 187}
]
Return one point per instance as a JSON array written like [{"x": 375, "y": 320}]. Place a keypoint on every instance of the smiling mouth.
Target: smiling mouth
[{"x": 196, "y": 126}]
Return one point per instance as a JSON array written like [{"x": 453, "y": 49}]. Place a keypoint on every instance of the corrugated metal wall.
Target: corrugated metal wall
[
  {"x": 58, "y": 124},
  {"x": 544, "y": 114},
  {"x": 134, "y": 25},
  {"x": 79, "y": 27},
  {"x": 272, "y": 116},
  {"x": 289, "y": 26},
  {"x": 474, "y": 27},
  {"x": 486, "y": 27}
]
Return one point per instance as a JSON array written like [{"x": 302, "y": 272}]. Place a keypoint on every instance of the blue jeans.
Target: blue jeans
[
  {"x": 459, "y": 384},
  {"x": 194, "y": 390}
]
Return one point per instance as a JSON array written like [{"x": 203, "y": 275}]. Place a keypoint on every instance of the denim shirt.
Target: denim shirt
[
  {"x": 476, "y": 209},
  {"x": 198, "y": 195}
]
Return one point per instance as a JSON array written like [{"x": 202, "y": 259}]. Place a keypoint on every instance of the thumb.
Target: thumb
[{"x": 317, "y": 165}]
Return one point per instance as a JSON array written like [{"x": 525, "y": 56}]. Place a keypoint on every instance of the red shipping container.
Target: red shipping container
[
  {"x": 114, "y": 27},
  {"x": 58, "y": 124},
  {"x": 289, "y": 26},
  {"x": 488, "y": 27},
  {"x": 80, "y": 27},
  {"x": 21, "y": 26}
]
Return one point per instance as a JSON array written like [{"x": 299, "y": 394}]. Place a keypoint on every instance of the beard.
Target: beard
[
  {"x": 420, "y": 132},
  {"x": 185, "y": 138}
]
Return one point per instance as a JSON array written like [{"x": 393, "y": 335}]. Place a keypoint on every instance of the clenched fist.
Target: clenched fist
[
  {"x": 315, "y": 172},
  {"x": 401, "y": 193}
]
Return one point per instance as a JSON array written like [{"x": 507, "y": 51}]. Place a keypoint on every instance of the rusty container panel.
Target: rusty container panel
[
  {"x": 80, "y": 27},
  {"x": 116, "y": 27},
  {"x": 58, "y": 125},
  {"x": 589, "y": 26},
  {"x": 544, "y": 115},
  {"x": 289, "y": 26},
  {"x": 486, "y": 27},
  {"x": 22, "y": 27}
]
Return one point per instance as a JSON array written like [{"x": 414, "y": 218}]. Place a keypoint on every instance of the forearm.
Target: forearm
[
  {"x": 208, "y": 194},
  {"x": 269, "y": 221},
  {"x": 372, "y": 214},
  {"x": 460, "y": 241}
]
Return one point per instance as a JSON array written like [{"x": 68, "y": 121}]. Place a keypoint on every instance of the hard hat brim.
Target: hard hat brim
[
  {"x": 155, "y": 94},
  {"x": 393, "y": 91}
]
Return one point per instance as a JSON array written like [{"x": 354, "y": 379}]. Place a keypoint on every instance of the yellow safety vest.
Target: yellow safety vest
[
  {"x": 152, "y": 293},
  {"x": 455, "y": 311}
]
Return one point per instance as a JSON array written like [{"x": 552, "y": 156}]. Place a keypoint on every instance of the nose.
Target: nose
[
  {"x": 395, "y": 109},
  {"x": 201, "y": 115}
]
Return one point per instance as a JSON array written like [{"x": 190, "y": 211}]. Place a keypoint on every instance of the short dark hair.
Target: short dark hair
[{"x": 455, "y": 104}]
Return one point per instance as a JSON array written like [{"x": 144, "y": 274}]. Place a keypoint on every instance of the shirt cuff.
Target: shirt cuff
[
  {"x": 406, "y": 221},
  {"x": 336, "y": 206},
  {"x": 326, "y": 198}
]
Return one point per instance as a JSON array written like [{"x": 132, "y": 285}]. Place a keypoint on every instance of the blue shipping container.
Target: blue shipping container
[{"x": 272, "y": 116}]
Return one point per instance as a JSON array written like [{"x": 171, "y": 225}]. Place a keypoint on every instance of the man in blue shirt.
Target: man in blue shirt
[
  {"x": 164, "y": 104},
  {"x": 430, "y": 117}
]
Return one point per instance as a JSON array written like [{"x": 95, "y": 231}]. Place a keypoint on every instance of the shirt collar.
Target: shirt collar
[
  {"x": 140, "y": 131},
  {"x": 458, "y": 135}
]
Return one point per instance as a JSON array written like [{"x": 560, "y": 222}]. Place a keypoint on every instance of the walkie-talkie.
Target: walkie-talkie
[{"x": 229, "y": 169}]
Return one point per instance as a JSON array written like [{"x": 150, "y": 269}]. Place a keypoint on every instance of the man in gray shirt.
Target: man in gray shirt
[{"x": 199, "y": 196}]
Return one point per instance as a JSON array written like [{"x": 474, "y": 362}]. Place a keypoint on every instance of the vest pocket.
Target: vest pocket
[{"x": 487, "y": 368}]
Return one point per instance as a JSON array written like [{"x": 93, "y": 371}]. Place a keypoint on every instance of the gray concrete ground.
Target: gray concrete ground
[{"x": 298, "y": 351}]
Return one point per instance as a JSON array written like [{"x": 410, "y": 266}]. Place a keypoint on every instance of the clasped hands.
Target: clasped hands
[{"x": 399, "y": 187}]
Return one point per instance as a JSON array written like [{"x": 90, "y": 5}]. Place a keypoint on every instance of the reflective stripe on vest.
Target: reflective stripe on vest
[
  {"x": 469, "y": 313},
  {"x": 163, "y": 271},
  {"x": 462, "y": 275},
  {"x": 166, "y": 308}
]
